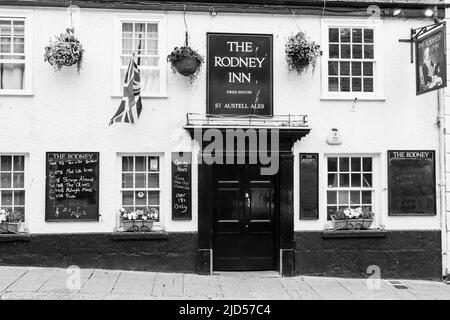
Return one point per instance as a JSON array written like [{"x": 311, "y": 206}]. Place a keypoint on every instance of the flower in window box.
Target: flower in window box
[
  {"x": 10, "y": 221},
  {"x": 352, "y": 219},
  {"x": 301, "y": 52},
  {"x": 66, "y": 50}
]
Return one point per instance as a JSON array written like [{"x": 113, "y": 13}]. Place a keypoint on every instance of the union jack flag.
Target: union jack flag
[{"x": 131, "y": 106}]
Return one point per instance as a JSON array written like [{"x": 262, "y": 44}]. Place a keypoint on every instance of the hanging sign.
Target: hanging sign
[
  {"x": 309, "y": 186},
  {"x": 181, "y": 185},
  {"x": 239, "y": 74},
  {"x": 431, "y": 62},
  {"x": 72, "y": 186}
]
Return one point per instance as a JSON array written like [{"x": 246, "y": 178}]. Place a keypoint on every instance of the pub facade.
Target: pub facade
[{"x": 241, "y": 167}]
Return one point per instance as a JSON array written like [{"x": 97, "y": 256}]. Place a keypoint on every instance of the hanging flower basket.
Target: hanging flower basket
[
  {"x": 66, "y": 50},
  {"x": 301, "y": 53},
  {"x": 187, "y": 66},
  {"x": 185, "y": 60}
]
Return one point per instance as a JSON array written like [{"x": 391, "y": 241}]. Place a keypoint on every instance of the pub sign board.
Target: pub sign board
[
  {"x": 72, "y": 186},
  {"x": 309, "y": 186},
  {"x": 181, "y": 186},
  {"x": 411, "y": 182},
  {"x": 239, "y": 75},
  {"x": 431, "y": 62}
]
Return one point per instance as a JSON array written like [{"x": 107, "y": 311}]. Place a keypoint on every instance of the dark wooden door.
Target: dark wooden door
[{"x": 244, "y": 218}]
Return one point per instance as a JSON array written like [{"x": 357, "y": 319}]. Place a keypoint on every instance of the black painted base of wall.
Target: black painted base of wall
[
  {"x": 172, "y": 252},
  {"x": 408, "y": 254}
]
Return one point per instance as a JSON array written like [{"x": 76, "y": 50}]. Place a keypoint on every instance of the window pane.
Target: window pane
[
  {"x": 331, "y": 197},
  {"x": 355, "y": 197},
  {"x": 344, "y": 180},
  {"x": 19, "y": 163},
  {"x": 367, "y": 180},
  {"x": 5, "y": 180},
  {"x": 127, "y": 163},
  {"x": 153, "y": 198},
  {"x": 333, "y": 68},
  {"x": 356, "y": 164},
  {"x": 127, "y": 198},
  {"x": 367, "y": 164},
  {"x": 367, "y": 197},
  {"x": 333, "y": 35},
  {"x": 356, "y": 68},
  {"x": 140, "y": 180},
  {"x": 343, "y": 197},
  {"x": 150, "y": 80},
  {"x": 345, "y": 68},
  {"x": 368, "y": 68},
  {"x": 333, "y": 84},
  {"x": 368, "y": 35},
  {"x": 344, "y": 164},
  {"x": 334, "y": 51},
  {"x": 6, "y": 163},
  {"x": 345, "y": 35},
  {"x": 127, "y": 180},
  {"x": 345, "y": 51},
  {"x": 332, "y": 164},
  {"x": 6, "y": 198},
  {"x": 368, "y": 52},
  {"x": 356, "y": 84},
  {"x": 345, "y": 84},
  {"x": 140, "y": 164},
  {"x": 12, "y": 76},
  {"x": 368, "y": 85},
  {"x": 153, "y": 163},
  {"x": 356, "y": 51},
  {"x": 356, "y": 35},
  {"x": 356, "y": 180},
  {"x": 332, "y": 180},
  {"x": 153, "y": 180},
  {"x": 18, "y": 180},
  {"x": 19, "y": 198},
  {"x": 140, "y": 198}
]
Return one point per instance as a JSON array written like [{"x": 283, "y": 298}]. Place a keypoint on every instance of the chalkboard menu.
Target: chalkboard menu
[
  {"x": 181, "y": 185},
  {"x": 239, "y": 75},
  {"x": 412, "y": 182},
  {"x": 309, "y": 186},
  {"x": 72, "y": 186}
]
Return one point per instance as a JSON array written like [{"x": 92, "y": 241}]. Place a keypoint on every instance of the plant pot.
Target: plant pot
[
  {"x": 137, "y": 225},
  {"x": 187, "y": 67},
  {"x": 351, "y": 224},
  {"x": 7, "y": 227}
]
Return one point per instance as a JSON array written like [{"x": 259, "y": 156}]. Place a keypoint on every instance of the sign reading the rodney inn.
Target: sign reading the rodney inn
[
  {"x": 239, "y": 74},
  {"x": 431, "y": 62}
]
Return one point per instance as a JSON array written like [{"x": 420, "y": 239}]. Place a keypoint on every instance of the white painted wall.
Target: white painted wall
[{"x": 77, "y": 107}]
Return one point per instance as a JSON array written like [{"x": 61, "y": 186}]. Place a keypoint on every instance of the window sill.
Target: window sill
[
  {"x": 16, "y": 93},
  {"x": 145, "y": 96},
  {"x": 373, "y": 233},
  {"x": 126, "y": 236},
  {"x": 349, "y": 98},
  {"x": 15, "y": 237}
]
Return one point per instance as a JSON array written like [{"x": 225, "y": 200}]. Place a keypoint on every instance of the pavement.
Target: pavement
[{"x": 96, "y": 284}]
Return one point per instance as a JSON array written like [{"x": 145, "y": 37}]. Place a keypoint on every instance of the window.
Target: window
[
  {"x": 412, "y": 182},
  {"x": 143, "y": 37},
  {"x": 349, "y": 183},
  {"x": 12, "y": 183},
  {"x": 15, "y": 69},
  {"x": 140, "y": 187},
  {"x": 351, "y": 61}
]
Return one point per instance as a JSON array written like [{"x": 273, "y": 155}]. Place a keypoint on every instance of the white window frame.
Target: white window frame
[
  {"x": 159, "y": 224},
  {"x": 27, "y": 15},
  {"x": 25, "y": 186},
  {"x": 378, "y": 85},
  {"x": 161, "y": 20}
]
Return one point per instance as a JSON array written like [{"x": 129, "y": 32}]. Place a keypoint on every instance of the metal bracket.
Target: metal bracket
[{"x": 418, "y": 32}]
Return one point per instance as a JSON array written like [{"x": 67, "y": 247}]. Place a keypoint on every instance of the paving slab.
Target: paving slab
[
  {"x": 100, "y": 282},
  {"x": 168, "y": 285},
  {"x": 31, "y": 280}
]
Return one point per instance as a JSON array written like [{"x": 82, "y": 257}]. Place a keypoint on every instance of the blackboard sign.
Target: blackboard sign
[
  {"x": 181, "y": 185},
  {"x": 309, "y": 186},
  {"x": 412, "y": 182},
  {"x": 239, "y": 75},
  {"x": 431, "y": 62},
  {"x": 72, "y": 186}
]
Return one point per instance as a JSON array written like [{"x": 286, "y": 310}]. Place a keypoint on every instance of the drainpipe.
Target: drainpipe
[{"x": 442, "y": 180}]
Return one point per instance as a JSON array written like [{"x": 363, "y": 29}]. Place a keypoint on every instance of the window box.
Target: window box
[
  {"x": 137, "y": 225},
  {"x": 351, "y": 224},
  {"x": 9, "y": 227}
]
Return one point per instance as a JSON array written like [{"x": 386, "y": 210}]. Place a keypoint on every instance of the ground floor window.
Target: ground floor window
[
  {"x": 12, "y": 184},
  {"x": 140, "y": 188},
  {"x": 349, "y": 183}
]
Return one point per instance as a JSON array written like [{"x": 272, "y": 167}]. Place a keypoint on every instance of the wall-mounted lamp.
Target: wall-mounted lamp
[
  {"x": 213, "y": 12},
  {"x": 398, "y": 13},
  {"x": 428, "y": 13},
  {"x": 334, "y": 138}
]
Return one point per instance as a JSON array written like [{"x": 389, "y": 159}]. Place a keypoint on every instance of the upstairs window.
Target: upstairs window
[
  {"x": 351, "y": 63},
  {"x": 143, "y": 37}
]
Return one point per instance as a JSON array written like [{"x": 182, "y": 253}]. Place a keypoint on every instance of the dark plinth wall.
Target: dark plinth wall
[
  {"x": 399, "y": 254},
  {"x": 408, "y": 254}
]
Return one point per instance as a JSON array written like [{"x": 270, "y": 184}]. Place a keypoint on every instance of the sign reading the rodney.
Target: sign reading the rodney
[
  {"x": 431, "y": 67},
  {"x": 239, "y": 74}
]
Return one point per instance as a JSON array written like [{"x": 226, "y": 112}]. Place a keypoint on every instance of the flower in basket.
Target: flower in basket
[
  {"x": 301, "y": 52},
  {"x": 349, "y": 213},
  {"x": 13, "y": 217},
  {"x": 3, "y": 215},
  {"x": 153, "y": 214},
  {"x": 186, "y": 61},
  {"x": 66, "y": 50}
]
